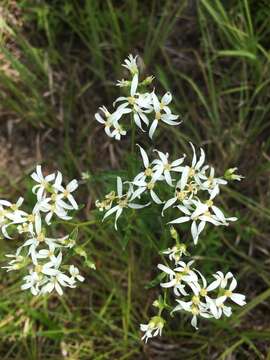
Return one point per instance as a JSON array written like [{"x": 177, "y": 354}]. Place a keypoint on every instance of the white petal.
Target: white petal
[
  {"x": 156, "y": 102},
  {"x": 155, "y": 198},
  {"x": 180, "y": 220},
  {"x": 153, "y": 128},
  {"x": 144, "y": 157},
  {"x": 99, "y": 118},
  {"x": 134, "y": 85},
  {"x": 239, "y": 299},
  {"x": 119, "y": 186},
  {"x": 169, "y": 203},
  {"x": 233, "y": 284},
  {"x": 167, "y": 98},
  {"x": 165, "y": 269}
]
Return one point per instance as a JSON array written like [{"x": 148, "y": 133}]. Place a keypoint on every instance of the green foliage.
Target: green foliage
[{"x": 213, "y": 56}]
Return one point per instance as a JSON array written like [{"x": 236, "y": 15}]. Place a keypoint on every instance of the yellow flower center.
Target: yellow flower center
[
  {"x": 181, "y": 195},
  {"x": 148, "y": 172},
  {"x": 31, "y": 218},
  {"x": 191, "y": 172},
  {"x": 167, "y": 167},
  {"x": 195, "y": 310},
  {"x": 38, "y": 268},
  {"x": 228, "y": 293},
  {"x": 123, "y": 203},
  {"x": 66, "y": 193},
  {"x": 53, "y": 197},
  {"x": 131, "y": 100},
  {"x": 203, "y": 292},
  {"x": 150, "y": 186},
  {"x": 209, "y": 203},
  {"x": 178, "y": 278},
  {"x": 40, "y": 237},
  {"x": 195, "y": 300},
  {"x": 158, "y": 115}
]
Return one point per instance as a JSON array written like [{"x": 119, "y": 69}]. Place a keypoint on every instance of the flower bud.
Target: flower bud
[
  {"x": 230, "y": 175},
  {"x": 174, "y": 233}
]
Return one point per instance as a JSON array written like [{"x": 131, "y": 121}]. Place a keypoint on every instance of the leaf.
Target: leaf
[
  {"x": 74, "y": 234},
  {"x": 155, "y": 281},
  {"x": 237, "y": 53}
]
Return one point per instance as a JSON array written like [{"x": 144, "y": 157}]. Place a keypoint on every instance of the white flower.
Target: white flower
[
  {"x": 153, "y": 328},
  {"x": 123, "y": 83},
  {"x": 37, "y": 239},
  {"x": 180, "y": 195},
  {"x": 32, "y": 282},
  {"x": 111, "y": 120},
  {"x": 49, "y": 253},
  {"x": 11, "y": 215},
  {"x": 202, "y": 291},
  {"x": 163, "y": 166},
  {"x": 211, "y": 184},
  {"x": 202, "y": 214},
  {"x": 204, "y": 208},
  {"x": 123, "y": 201},
  {"x": 221, "y": 281},
  {"x": 131, "y": 64},
  {"x": 75, "y": 275},
  {"x": 41, "y": 254},
  {"x": 43, "y": 182},
  {"x": 195, "y": 307},
  {"x": 176, "y": 276},
  {"x": 183, "y": 191},
  {"x": 196, "y": 171},
  {"x": 138, "y": 104},
  {"x": 159, "y": 107},
  {"x": 176, "y": 252},
  {"x": 27, "y": 225},
  {"x": 148, "y": 172},
  {"x": 222, "y": 309},
  {"x": 118, "y": 131},
  {"x": 143, "y": 186},
  {"x": 53, "y": 205},
  {"x": 55, "y": 282},
  {"x": 17, "y": 262},
  {"x": 66, "y": 191}
]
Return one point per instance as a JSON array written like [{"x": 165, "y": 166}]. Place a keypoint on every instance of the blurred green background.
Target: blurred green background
[{"x": 59, "y": 62}]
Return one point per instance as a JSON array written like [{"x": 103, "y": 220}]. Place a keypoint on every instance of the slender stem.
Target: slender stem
[
  {"x": 80, "y": 224},
  {"x": 132, "y": 136}
]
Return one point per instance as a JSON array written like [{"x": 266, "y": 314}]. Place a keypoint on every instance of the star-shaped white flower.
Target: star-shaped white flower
[
  {"x": 162, "y": 112},
  {"x": 162, "y": 166},
  {"x": 123, "y": 201},
  {"x": 43, "y": 182}
]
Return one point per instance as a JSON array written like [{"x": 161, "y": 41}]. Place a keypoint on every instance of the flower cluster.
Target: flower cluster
[
  {"x": 189, "y": 188},
  {"x": 116, "y": 203},
  {"x": 41, "y": 254},
  {"x": 193, "y": 294},
  {"x": 145, "y": 108},
  {"x": 194, "y": 188}
]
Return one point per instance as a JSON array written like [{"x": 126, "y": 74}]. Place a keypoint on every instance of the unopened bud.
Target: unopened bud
[
  {"x": 230, "y": 175},
  {"x": 174, "y": 233}
]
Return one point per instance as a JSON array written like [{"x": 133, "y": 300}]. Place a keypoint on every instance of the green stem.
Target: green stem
[
  {"x": 132, "y": 136},
  {"x": 80, "y": 224}
]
